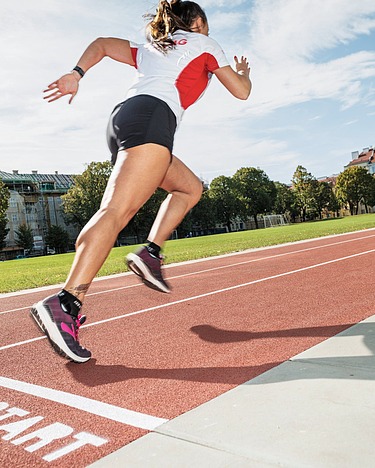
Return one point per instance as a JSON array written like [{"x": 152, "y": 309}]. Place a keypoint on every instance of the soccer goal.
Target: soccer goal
[{"x": 274, "y": 220}]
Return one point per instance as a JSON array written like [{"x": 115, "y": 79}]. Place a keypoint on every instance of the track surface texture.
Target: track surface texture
[{"x": 157, "y": 356}]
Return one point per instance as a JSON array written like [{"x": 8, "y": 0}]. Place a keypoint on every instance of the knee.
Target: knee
[{"x": 196, "y": 192}]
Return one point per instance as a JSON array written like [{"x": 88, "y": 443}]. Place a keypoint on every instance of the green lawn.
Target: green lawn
[{"x": 42, "y": 271}]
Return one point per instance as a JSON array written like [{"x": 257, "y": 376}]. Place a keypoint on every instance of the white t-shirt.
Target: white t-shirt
[{"x": 180, "y": 76}]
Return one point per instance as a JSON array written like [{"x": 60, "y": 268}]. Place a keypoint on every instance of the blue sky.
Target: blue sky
[{"x": 313, "y": 73}]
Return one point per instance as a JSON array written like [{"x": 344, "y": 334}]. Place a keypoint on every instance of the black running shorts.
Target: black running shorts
[{"x": 138, "y": 120}]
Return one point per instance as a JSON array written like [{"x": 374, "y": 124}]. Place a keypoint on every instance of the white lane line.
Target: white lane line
[
  {"x": 211, "y": 293},
  {"x": 284, "y": 254},
  {"x": 91, "y": 294},
  {"x": 199, "y": 260},
  {"x": 207, "y": 270},
  {"x": 20, "y": 343},
  {"x": 105, "y": 410}
]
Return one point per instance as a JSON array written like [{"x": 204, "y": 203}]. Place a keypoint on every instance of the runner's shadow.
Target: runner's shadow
[
  {"x": 92, "y": 374},
  {"x": 219, "y": 335}
]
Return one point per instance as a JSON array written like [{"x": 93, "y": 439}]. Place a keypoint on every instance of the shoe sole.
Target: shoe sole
[
  {"x": 137, "y": 266},
  {"x": 49, "y": 328}
]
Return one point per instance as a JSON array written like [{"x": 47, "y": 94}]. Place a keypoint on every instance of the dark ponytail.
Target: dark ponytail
[{"x": 170, "y": 16}]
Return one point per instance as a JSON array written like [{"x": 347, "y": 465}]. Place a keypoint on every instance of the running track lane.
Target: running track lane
[{"x": 157, "y": 356}]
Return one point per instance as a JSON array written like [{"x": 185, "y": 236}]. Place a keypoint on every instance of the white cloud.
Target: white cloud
[
  {"x": 285, "y": 37},
  {"x": 299, "y": 28}
]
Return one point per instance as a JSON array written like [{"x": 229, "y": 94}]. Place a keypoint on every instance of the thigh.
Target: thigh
[
  {"x": 138, "y": 172},
  {"x": 180, "y": 178}
]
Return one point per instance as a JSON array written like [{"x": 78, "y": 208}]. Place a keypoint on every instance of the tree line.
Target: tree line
[{"x": 228, "y": 199}]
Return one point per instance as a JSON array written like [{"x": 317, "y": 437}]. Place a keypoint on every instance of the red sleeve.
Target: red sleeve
[
  {"x": 212, "y": 63},
  {"x": 134, "y": 51}
]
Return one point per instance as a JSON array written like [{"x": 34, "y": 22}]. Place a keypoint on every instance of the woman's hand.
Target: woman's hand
[
  {"x": 242, "y": 66},
  {"x": 67, "y": 84}
]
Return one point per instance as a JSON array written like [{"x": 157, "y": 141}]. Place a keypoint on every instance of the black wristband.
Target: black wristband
[{"x": 79, "y": 71}]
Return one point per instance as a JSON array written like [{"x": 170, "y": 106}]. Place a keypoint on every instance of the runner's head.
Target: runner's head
[{"x": 173, "y": 15}]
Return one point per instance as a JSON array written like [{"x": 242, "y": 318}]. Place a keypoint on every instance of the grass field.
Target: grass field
[{"x": 28, "y": 273}]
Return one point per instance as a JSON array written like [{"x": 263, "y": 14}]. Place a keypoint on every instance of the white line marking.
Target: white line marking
[
  {"x": 199, "y": 260},
  {"x": 211, "y": 293},
  {"x": 23, "y": 342},
  {"x": 269, "y": 257},
  {"x": 213, "y": 268},
  {"x": 105, "y": 410}
]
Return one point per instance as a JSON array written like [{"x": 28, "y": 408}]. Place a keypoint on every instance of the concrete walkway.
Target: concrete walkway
[{"x": 315, "y": 410}]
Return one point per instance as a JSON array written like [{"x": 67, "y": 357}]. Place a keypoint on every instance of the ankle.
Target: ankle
[
  {"x": 69, "y": 303},
  {"x": 79, "y": 292},
  {"x": 153, "y": 249}
]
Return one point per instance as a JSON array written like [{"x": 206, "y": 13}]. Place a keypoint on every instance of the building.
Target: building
[
  {"x": 35, "y": 200},
  {"x": 365, "y": 158}
]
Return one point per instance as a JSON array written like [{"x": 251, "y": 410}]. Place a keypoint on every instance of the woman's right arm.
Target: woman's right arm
[
  {"x": 117, "y": 49},
  {"x": 237, "y": 82}
]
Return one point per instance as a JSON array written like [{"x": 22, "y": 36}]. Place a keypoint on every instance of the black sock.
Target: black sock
[
  {"x": 153, "y": 249},
  {"x": 69, "y": 303}
]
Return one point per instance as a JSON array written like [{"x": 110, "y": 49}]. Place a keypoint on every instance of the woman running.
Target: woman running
[{"x": 174, "y": 68}]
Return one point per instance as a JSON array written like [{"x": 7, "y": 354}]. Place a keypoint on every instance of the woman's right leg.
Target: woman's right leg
[{"x": 137, "y": 174}]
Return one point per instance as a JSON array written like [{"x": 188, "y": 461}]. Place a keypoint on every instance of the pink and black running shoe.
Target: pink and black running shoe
[
  {"x": 61, "y": 328},
  {"x": 148, "y": 268}
]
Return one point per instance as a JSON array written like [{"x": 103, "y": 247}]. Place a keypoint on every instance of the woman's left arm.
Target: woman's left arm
[
  {"x": 237, "y": 82},
  {"x": 117, "y": 49}
]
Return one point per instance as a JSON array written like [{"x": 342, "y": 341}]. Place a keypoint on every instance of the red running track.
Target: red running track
[{"x": 156, "y": 356}]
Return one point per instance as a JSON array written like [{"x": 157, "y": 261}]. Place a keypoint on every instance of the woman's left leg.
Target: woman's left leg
[{"x": 185, "y": 190}]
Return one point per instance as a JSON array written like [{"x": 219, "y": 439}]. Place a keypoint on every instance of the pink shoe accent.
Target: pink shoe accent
[{"x": 71, "y": 331}]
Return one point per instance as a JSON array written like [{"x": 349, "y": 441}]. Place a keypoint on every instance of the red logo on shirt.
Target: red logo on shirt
[{"x": 180, "y": 42}]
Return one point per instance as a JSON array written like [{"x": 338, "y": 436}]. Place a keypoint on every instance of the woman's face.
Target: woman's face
[{"x": 200, "y": 26}]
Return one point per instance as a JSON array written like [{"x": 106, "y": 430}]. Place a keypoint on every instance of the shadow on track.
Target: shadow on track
[{"x": 219, "y": 335}]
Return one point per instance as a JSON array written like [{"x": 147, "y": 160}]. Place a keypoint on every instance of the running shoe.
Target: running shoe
[
  {"x": 148, "y": 268},
  {"x": 61, "y": 328}
]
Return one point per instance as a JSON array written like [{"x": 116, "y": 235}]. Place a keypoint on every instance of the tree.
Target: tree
[
  {"x": 369, "y": 193},
  {"x": 285, "y": 202},
  {"x": 4, "y": 203},
  {"x": 255, "y": 190},
  {"x": 25, "y": 238},
  {"x": 203, "y": 215},
  {"x": 83, "y": 199},
  {"x": 352, "y": 187},
  {"x": 304, "y": 186},
  {"x": 226, "y": 203},
  {"x": 323, "y": 197},
  {"x": 57, "y": 239}
]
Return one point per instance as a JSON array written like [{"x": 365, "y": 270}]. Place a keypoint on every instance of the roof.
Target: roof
[
  {"x": 59, "y": 180},
  {"x": 330, "y": 180},
  {"x": 366, "y": 157}
]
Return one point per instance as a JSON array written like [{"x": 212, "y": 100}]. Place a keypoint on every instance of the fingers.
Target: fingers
[
  {"x": 243, "y": 60},
  {"x": 53, "y": 97},
  {"x": 72, "y": 97},
  {"x": 57, "y": 90},
  {"x": 53, "y": 85}
]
